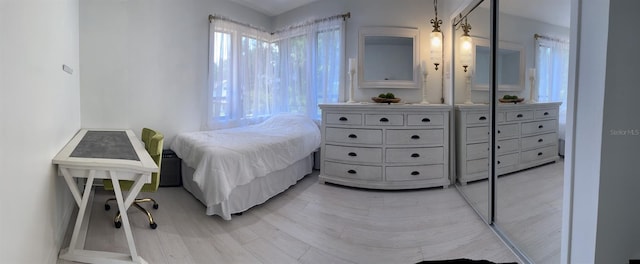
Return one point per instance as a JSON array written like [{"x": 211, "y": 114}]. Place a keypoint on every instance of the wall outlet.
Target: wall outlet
[{"x": 67, "y": 69}]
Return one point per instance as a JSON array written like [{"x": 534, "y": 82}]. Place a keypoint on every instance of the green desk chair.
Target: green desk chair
[{"x": 153, "y": 144}]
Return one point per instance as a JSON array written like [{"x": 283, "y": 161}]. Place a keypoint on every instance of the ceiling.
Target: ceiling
[
  {"x": 556, "y": 12},
  {"x": 273, "y": 7}
]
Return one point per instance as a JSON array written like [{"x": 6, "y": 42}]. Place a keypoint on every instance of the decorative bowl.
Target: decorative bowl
[
  {"x": 385, "y": 100},
  {"x": 515, "y": 101}
]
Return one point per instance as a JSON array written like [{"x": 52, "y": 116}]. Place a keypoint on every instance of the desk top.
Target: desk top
[{"x": 104, "y": 148}]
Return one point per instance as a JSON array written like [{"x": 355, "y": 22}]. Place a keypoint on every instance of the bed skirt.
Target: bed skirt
[{"x": 256, "y": 192}]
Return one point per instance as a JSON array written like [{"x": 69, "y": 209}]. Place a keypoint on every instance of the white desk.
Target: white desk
[{"x": 103, "y": 154}]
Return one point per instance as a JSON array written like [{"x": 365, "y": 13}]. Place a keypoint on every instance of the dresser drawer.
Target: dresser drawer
[
  {"x": 539, "y": 140},
  {"x": 415, "y": 137},
  {"x": 507, "y": 160},
  {"x": 353, "y": 154},
  {"x": 344, "y": 119},
  {"x": 425, "y": 120},
  {"x": 481, "y": 150},
  {"x": 475, "y": 118},
  {"x": 519, "y": 115},
  {"x": 410, "y": 173},
  {"x": 539, "y": 126},
  {"x": 546, "y": 113},
  {"x": 353, "y": 135},
  {"x": 358, "y": 172},
  {"x": 478, "y": 134},
  {"x": 476, "y": 166},
  {"x": 506, "y": 131},
  {"x": 539, "y": 154},
  {"x": 507, "y": 145},
  {"x": 415, "y": 155},
  {"x": 477, "y": 151},
  {"x": 384, "y": 120}
]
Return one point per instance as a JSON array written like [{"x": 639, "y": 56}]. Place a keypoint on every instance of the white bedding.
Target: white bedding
[{"x": 225, "y": 159}]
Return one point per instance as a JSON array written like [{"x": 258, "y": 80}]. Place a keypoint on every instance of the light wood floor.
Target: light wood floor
[
  {"x": 528, "y": 209},
  {"x": 309, "y": 223}
]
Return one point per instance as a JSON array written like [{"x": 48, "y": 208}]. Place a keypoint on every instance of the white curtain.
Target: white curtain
[
  {"x": 254, "y": 74},
  {"x": 239, "y": 84},
  {"x": 552, "y": 63},
  {"x": 309, "y": 68}
]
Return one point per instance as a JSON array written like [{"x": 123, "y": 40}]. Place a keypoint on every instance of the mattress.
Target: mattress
[{"x": 225, "y": 159}]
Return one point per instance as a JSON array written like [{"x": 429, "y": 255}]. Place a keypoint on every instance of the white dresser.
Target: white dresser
[
  {"x": 526, "y": 136},
  {"x": 381, "y": 146}
]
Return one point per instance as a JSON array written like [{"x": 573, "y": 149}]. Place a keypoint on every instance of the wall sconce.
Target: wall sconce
[
  {"x": 466, "y": 46},
  {"x": 436, "y": 38}
]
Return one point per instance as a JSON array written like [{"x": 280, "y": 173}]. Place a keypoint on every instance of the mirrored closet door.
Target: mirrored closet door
[{"x": 508, "y": 165}]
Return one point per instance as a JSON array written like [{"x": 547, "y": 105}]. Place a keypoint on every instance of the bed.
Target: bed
[{"x": 232, "y": 170}]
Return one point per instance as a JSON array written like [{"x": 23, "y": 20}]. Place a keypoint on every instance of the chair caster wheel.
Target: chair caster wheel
[
  {"x": 107, "y": 207},
  {"x": 118, "y": 224},
  {"x": 153, "y": 225},
  {"x": 155, "y": 206}
]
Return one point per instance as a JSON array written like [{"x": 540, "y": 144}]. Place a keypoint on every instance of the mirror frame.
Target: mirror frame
[
  {"x": 502, "y": 45},
  {"x": 389, "y": 32}
]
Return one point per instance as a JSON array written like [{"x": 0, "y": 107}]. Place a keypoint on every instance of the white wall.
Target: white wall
[
  {"x": 145, "y": 62},
  {"x": 401, "y": 13},
  {"x": 514, "y": 30},
  {"x": 39, "y": 113},
  {"x": 605, "y": 215}
]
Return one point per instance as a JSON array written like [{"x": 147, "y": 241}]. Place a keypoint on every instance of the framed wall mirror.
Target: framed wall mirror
[
  {"x": 388, "y": 57},
  {"x": 510, "y": 66}
]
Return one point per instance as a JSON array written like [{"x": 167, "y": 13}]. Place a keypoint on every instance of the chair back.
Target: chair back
[{"x": 153, "y": 143}]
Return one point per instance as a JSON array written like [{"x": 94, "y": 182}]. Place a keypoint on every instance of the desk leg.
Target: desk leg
[
  {"x": 123, "y": 206},
  {"x": 82, "y": 202},
  {"x": 76, "y": 251}
]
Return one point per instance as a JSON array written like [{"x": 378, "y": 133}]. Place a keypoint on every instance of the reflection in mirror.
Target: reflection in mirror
[
  {"x": 388, "y": 57},
  {"x": 510, "y": 68},
  {"x": 529, "y": 193},
  {"x": 471, "y": 124}
]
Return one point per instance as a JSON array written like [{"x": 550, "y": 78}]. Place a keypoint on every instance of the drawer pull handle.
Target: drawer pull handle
[
  {"x": 342, "y": 118},
  {"x": 482, "y": 118},
  {"x": 540, "y": 126},
  {"x": 415, "y": 137},
  {"x": 540, "y": 140},
  {"x": 384, "y": 119},
  {"x": 519, "y": 116},
  {"x": 498, "y": 147},
  {"x": 415, "y": 155},
  {"x": 414, "y": 173},
  {"x": 351, "y": 172},
  {"x": 539, "y": 153},
  {"x": 546, "y": 113},
  {"x": 352, "y": 154},
  {"x": 498, "y": 131},
  {"x": 353, "y": 136},
  {"x": 426, "y": 120},
  {"x": 498, "y": 162}
]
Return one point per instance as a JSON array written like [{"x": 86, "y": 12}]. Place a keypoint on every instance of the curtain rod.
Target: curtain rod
[
  {"x": 213, "y": 17},
  {"x": 343, "y": 16},
  {"x": 538, "y": 36}
]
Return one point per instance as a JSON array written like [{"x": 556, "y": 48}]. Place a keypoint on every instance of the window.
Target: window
[
  {"x": 552, "y": 62},
  {"x": 253, "y": 74}
]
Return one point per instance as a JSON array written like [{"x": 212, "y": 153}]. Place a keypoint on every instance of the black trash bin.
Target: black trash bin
[{"x": 170, "y": 170}]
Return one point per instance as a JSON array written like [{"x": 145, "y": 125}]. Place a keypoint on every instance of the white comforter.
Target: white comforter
[{"x": 224, "y": 159}]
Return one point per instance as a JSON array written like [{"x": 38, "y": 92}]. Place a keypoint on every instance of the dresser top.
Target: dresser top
[
  {"x": 382, "y": 106},
  {"x": 506, "y": 106}
]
